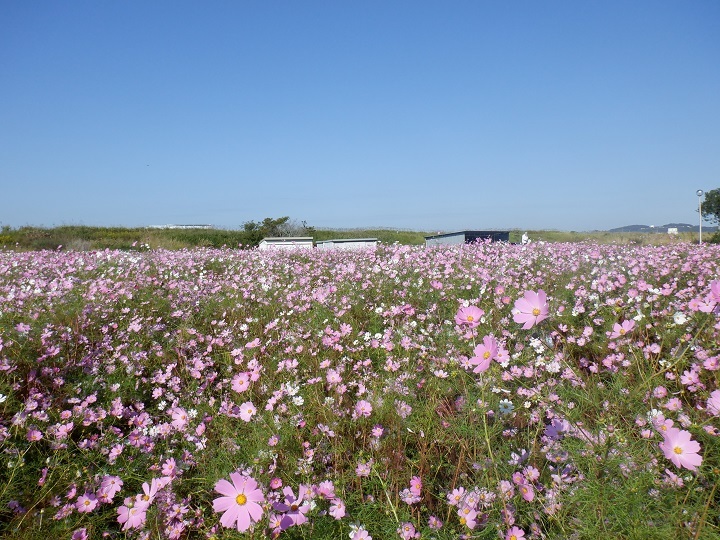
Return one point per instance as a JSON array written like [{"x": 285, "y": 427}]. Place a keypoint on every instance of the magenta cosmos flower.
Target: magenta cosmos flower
[
  {"x": 681, "y": 449},
  {"x": 531, "y": 309},
  {"x": 240, "y": 502},
  {"x": 469, "y": 316}
]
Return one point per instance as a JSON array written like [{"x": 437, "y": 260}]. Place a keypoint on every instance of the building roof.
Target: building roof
[
  {"x": 467, "y": 232},
  {"x": 347, "y": 240},
  {"x": 288, "y": 239}
]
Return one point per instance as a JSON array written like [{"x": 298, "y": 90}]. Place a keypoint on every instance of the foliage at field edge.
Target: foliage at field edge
[
  {"x": 84, "y": 238},
  {"x": 483, "y": 391}
]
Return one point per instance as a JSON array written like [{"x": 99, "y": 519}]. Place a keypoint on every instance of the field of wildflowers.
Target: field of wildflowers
[{"x": 484, "y": 391}]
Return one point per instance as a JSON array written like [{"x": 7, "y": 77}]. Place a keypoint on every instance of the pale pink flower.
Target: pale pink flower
[
  {"x": 86, "y": 503},
  {"x": 150, "y": 490},
  {"x": 715, "y": 291},
  {"x": 363, "y": 408},
  {"x": 681, "y": 449},
  {"x": 241, "y": 502},
  {"x": 620, "y": 330},
  {"x": 337, "y": 508},
  {"x": 484, "y": 354},
  {"x": 109, "y": 486},
  {"x": 713, "y": 402},
  {"x": 468, "y": 516},
  {"x": 132, "y": 515},
  {"x": 34, "y": 435},
  {"x": 247, "y": 411},
  {"x": 469, "y": 316},
  {"x": 180, "y": 417},
  {"x": 527, "y": 491},
  {"x": 531, "y": 309},
  {"x": 416, "y": 485},
  {"x": 169, "y": 468},
  {"x": 515, "y": 533},
  {"x": 241, "y": 382},
  {"x": 407, "y": 531},
  {"x": 360, "y": 534}
]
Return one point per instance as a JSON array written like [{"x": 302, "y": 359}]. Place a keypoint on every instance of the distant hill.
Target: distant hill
[{"x": 681, "y": 227}]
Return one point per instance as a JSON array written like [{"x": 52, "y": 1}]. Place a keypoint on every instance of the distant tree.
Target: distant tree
[
  {"x": 711, "y": 206},
  {"x": 274, "y": 227}
]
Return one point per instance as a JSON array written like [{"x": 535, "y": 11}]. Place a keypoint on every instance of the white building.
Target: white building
[
  {"x": 347, "y": 243},
  {"x": 289, "y": 242},
  {"x": 467, "y": 237}
]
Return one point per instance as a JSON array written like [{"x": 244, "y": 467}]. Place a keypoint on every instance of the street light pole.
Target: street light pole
[{"x": 699, "y": 193}]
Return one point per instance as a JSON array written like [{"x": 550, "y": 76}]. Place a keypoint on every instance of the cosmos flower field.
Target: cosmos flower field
[{"x": 480, "y": 391}]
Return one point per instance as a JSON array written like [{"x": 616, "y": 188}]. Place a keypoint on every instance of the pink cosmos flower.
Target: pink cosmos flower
[
  {"x": 681, "y": 449},
  {"x": 360, "y": 534},
  {"x": 531, "y": 309},
  {"x": 515, "y": 533},
  {"x": 407, "y": 531},
  {"x": 337, "y": 508},
  {"x": 469, "y": 316},
  {"x": 363, "y": 408},
  {"x": 468, "y": 516},
  {"x": 715, "y": 291},
  {"x": 169, "y": 468},
  {"x": 132, "y": 515},
  {"x": 86, "y": 503},
  {"x": 416, "y": 485},
  {"x": 484, "y": 354},
  {"x": 109, "y": 487},
  {"x": 80, "y": 534},
  {"x": 293, "y": 507},
  {"x": 180, "y": 417},
  {"x": 150, "y": 490},
  {"x": 527, "y": 491},
  {"x": 240, "y": 503},
  {"x": 713, "y": 402},
  {"x": 619, "y": 330},
  {"x": 247, "y": 411},
  {"x": 241, "y": 382},
  {"x": 34, "y": 435}
]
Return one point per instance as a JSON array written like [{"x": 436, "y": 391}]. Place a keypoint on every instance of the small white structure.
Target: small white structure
[
  {"x": 347, "y": 243},
  {"x": 525, "y": 238},
  {"x": 672, "y": 230},
  {"x": 466, "y": 237},
  {"x": 289, "y": 242}
]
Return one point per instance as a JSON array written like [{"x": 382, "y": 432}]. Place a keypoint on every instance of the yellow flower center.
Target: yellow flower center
[
  {"x": 513, "y": 537},
  {"x": 536, "y": 312},
  {"x": 486, "y": 354},
  {"x": 146, "y": 497},
  {"x": 622, "y": 332},
  {"x": 86, "y": 503},
  {"x": 241, "y": 499},
  {"x": 470, "y": 318},
  {"x": 463, "y": 521},
  {"x": 677, "y": 450}
]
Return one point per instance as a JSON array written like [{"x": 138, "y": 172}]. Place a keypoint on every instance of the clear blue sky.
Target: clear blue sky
[{"x": 570, "y": 115}]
